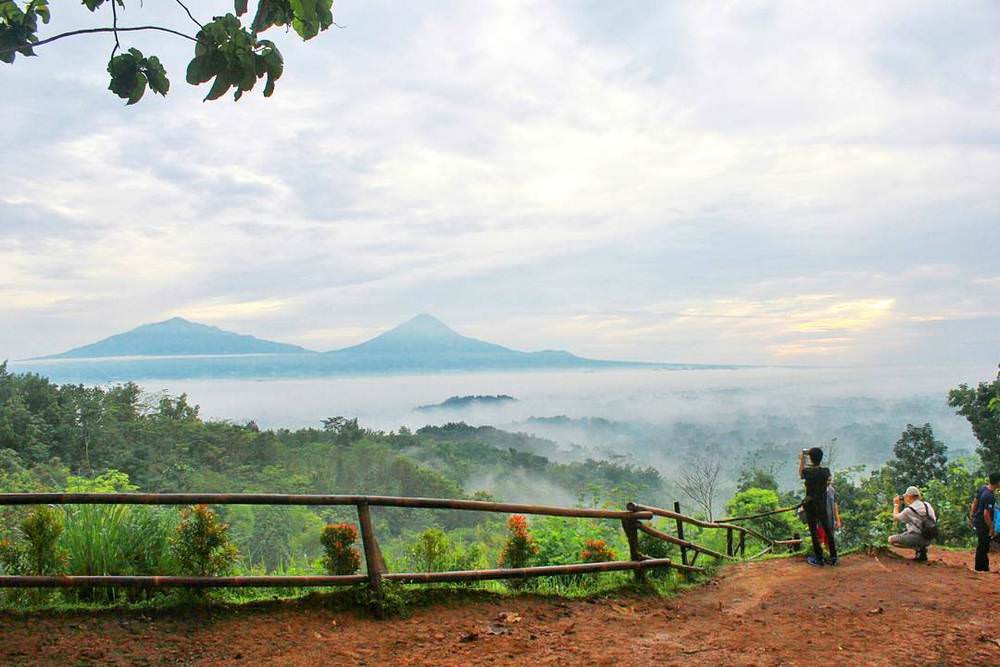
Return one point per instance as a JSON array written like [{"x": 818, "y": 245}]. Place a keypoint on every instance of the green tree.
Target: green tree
[
  {"x": 757, "y": 501},
  {"x": 919, "y": 457},
  {"x": 981, "y": 406},
  {"x": 752, "y": 477},
  {"x": 228, "y": 50}
]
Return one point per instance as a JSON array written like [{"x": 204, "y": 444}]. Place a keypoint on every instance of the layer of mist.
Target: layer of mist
[{"x": 757, "y": 416}]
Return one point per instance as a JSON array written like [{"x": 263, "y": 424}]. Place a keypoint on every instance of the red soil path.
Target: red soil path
[{"x": 866, "y": 611}]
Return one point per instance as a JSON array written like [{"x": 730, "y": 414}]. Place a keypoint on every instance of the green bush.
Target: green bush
[
  {"x": 41, "y": 530},
  {"x": 338, "y": 544},
  {"x": 755, "y": 501},
  {"x": 386, "y": 601},
  {"x": 431, "y": 551},
  {"x": 201, "y": 544}
]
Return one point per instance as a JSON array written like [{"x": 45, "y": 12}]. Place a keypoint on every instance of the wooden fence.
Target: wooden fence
[{"x": 376, "y": 571}]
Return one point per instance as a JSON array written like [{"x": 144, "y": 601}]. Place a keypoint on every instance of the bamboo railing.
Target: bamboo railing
[{"x": 375, "y": 568}]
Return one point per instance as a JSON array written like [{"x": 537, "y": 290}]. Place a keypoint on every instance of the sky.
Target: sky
[{"x": 732, "y": 182}]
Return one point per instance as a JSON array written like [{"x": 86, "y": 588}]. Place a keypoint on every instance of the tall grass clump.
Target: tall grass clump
[{"x": 114, "y": 539}]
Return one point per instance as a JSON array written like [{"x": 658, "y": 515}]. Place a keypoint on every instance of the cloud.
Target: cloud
[{"x": 731, "y": 182}]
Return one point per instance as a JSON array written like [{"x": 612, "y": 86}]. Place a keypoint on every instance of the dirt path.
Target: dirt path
[{"x": 780, "y": 612}]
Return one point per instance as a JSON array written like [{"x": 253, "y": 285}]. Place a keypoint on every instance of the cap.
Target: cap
[{"x": 912, "y": 491}]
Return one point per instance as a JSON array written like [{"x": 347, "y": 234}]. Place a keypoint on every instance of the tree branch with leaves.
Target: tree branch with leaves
[{"x": 228, "y": 50}]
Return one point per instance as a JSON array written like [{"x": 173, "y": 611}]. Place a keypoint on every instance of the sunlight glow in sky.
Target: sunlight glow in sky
[{"x": 753, "y": 182}]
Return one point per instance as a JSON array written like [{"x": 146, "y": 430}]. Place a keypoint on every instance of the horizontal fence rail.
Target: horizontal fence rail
[
  {"x": 142, "y": 581},
  {"x": 308, "y": 499},
  {"x": 376, "y": 571}
]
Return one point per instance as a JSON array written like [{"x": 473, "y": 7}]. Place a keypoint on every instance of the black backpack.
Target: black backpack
[{"x": 928, "y": 524}]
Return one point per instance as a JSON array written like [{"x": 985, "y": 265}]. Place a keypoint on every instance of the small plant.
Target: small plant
[
  {"x": 597, "y": 551},
  {"x": 41, "y": 530},
  {"x": 11, "y": 557},
  {"x": 430, "y": 551},
  {"x": 520, "y": 548},
  {"x": 338, "y": 542},
  {"x": 386, "y": 601},
  {"x": 201, "y": 545}
]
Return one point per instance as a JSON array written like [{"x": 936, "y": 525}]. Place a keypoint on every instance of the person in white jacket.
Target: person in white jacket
[{"x": 912, "y": 516}]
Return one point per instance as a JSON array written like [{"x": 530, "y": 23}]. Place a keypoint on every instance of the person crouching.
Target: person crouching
[{"x": 919, "y": 519}]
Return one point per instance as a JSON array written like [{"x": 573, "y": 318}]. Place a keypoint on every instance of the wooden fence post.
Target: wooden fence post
[
  {"x": 729, "y": 541},
  {"x": 631, "y": 528},
  {"x": 373, "y": 555},
  {"x": 680, "y": 534},
  {"x": 743, "y": 544}
]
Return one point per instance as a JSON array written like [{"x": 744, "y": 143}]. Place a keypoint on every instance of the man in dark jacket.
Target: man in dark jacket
[
  {"x": 816, "y": 478},
  {"x": 983, "y": 520}
]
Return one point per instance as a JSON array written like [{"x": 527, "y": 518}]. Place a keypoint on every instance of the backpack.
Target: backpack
[{"x": 928, "y": 524}]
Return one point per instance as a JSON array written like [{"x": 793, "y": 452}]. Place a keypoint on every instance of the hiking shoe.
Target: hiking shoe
[
  {"x": 812, "y": 560},
  {"x": 921, "y": 556},
  {"x": 831, "y": 561}
]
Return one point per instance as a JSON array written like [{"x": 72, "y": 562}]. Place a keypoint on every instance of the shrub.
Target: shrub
[
  {"x": 757, "y": 501},
  {"x": 431, "y": 550},
  {"x": 520, "y": 547},
  {"x": 201, "y": 544},
  {"x": 42, "y": 529},
  {"x": 597, "y": 551},
  {"x": 11, "y": 558},
  {"x": 338, "y": 543},
  {"x": 386, "y": 601}
]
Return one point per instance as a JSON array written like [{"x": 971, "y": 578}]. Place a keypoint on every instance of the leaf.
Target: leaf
[
  {"x": 138, "y": 89},
  {"x": 241, "y": 7},
  {"x": 124, "y": 71},
  {"x": 158, "y": 81},
  {"x": 220, "y": 87}
]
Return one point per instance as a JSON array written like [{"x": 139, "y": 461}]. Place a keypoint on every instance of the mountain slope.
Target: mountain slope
[{"x": 179, "y": 337}]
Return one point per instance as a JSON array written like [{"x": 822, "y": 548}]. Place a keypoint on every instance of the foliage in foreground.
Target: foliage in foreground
[{"x": 228, "y": 49}]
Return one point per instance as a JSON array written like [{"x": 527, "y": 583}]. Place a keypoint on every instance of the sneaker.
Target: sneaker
[
  {"x": 831, "y": 561},
  {"x": 812, "y": 560}
]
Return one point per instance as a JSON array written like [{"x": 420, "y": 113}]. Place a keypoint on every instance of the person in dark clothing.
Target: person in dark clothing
[
  {"x": 982, "y": 516},
  {"x": 816, "y": 479}
]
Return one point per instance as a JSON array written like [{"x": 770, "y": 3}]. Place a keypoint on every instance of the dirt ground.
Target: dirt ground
[{"x": 870, "y": 610}]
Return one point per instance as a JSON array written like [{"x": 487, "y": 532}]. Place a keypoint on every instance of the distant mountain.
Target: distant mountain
[
  {"x": 459, "y": 402},
  {"x": 176, "y": 337},
  {"x": 423, "y": 344}
]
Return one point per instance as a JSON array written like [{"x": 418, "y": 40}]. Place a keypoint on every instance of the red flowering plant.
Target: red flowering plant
[
  {"x": 338, "y": 543},
  {"x": 597, "y": 551},
  {"x": 520, "y": 547}
]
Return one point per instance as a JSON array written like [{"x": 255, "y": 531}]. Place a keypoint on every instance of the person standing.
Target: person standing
[
  {"x": 913, "y": 516},
  {"x": 983, "y": 520},
  {"x": 817, "y": 479}
]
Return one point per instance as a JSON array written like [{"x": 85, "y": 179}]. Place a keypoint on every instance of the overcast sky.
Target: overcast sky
[{"x": 704, "y": 181}]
